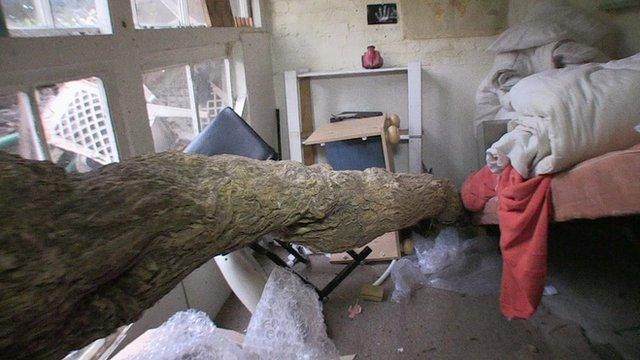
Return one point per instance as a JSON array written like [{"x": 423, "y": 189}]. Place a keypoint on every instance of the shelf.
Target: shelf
[
  {"x": 354, "y": 72},
  {"x": 345, "y": 130}
]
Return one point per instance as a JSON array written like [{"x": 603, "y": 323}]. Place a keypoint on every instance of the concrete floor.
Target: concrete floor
[{"x": 595, "y": 315}]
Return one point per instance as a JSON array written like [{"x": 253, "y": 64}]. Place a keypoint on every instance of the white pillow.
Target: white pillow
[{"x": 527, "y": 35}]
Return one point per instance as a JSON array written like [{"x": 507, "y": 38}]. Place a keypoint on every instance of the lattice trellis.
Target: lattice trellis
[
  {"x": 79, "y": 122},
  {"x": 213, "y": 107}
]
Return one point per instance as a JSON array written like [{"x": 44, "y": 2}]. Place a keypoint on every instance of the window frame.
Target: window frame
[
  {"x": 195, "y": 118},
  {"x": 182, "y": 16},
  {"x": 49, "y": 28}
]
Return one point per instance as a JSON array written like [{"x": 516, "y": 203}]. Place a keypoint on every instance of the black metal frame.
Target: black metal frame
[{"x": 358, "y": 258}]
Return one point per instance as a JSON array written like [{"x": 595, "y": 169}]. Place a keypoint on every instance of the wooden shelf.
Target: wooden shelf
[
  {"x": 353, "y": 72},
  {"x": 345, "y": 130}
]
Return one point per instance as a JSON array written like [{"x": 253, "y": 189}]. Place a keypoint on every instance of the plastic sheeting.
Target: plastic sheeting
[
  {"x": 287, "y": 324},
  {"x": 449, "y": 262}
]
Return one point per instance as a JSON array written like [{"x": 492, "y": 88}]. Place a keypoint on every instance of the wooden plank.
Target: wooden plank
[
  {"x": 383, "y": 248},
  {"x": 387, "y": 152},
  {"x": 219, "y": 12},
  {"x": 354, "y": 72},
  {"x": 345, "y": 130},
  {"x": 306, "y": 119}
]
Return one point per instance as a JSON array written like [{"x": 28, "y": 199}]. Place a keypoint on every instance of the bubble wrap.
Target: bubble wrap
[
  {"x": 449, "y": 262},
  {"x": 288, "y": 322},
  {"x": 189, "y": 335}
]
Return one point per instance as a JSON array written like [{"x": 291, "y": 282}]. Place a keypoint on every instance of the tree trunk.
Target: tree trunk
[{"x": 82, "y": 254}]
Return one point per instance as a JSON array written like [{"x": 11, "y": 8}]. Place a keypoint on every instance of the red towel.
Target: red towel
[
  {"x": 524, "y": 212},
  {"x": 478, "y": 189}
]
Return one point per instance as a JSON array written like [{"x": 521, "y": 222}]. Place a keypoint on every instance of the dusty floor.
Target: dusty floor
[{"x": 595, "y": 315}]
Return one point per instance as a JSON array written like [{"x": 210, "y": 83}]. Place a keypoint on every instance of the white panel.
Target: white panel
[
  {"x": 415, "y": 155},
  {"x": 292, "y": 98},
  {"x": 244, "y": 275},
  {"x": 206, "y": 289},
  {"x": 292, "y": 94},
  {"x": 414, "y": 74},
  {"x": 295, "y": 146}
]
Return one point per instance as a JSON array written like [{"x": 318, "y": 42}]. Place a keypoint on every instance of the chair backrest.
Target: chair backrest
[{"x": 230, "y": 134}]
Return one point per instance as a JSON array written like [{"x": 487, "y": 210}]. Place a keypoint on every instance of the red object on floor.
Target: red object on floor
[{"x": 524, "y": 213}]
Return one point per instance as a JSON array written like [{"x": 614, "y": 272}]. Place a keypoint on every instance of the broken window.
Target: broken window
[
  {"x": 183, "y": 100},
  {"x": 77, "y": 125},
  {"x": 17, "y": 133},
  {"x": 150, "y": 14},
  {"x": 56, "y": 17}
]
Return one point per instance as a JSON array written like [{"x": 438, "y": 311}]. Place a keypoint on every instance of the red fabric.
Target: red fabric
[
  {"x": 524, "y": 212},
  {"x": 478, "y": 189}
]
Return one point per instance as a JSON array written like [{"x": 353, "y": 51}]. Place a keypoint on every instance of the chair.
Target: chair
[{"x": 230, "y": 134}]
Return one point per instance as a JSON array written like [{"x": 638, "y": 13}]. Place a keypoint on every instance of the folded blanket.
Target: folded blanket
[
  {"x": 568, "y": 115},
  {"x": 493, "y": 100}
]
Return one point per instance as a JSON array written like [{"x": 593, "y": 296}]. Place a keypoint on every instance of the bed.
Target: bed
[{"x": 605, "y": 186}]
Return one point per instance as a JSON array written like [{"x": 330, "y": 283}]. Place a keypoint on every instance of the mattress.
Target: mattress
[{"x": 605, "y": 186}]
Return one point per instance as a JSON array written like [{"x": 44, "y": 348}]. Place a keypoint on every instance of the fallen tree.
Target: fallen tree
[{"x": 82, "y": 254}]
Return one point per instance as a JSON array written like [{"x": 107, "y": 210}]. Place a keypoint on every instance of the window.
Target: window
[
  {"x": 56, "y": 17},
  {"x": 76, "y": 124},
  {"x": 183, "y": 100},
  {"x": 169, "y": 13},
  {"x": 17, "y": 133}
]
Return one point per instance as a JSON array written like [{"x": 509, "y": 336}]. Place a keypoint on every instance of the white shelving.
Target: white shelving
[
  {"x": 349, "y": 73},
  {"x": 296, "y": 119}
]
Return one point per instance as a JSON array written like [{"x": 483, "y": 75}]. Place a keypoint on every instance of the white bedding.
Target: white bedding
[
  {"x": 565, "y": 116},
  {"x": 493, "y": 100}
]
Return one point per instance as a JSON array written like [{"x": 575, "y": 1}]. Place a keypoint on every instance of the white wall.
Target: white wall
[{"x": 332, "y": 35}]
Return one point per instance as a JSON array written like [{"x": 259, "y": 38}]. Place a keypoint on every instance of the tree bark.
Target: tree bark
[{"x": 82, "y": 254}]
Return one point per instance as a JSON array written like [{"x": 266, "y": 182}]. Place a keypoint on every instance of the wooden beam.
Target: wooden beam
[{"x": 219, "y": 12}]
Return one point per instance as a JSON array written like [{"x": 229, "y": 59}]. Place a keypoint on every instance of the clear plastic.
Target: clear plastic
[
  {"x": 189, "y": 335},
  {"x": 287, "y": 324},
  {"x": 450, "y": 262}
]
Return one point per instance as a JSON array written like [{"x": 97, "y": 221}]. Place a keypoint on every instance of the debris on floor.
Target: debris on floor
[
  {"x": 354, "y": 310},
  {"x": 371, "y": 292},
  {"x": 449, "y": 262},
  {"x": 550, "y": 290},
  {"x": 287, "y": 324}
]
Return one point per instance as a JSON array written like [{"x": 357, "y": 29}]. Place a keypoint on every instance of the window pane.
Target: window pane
[
  {"x": 197, "y": 16},
  {"x": 21, "y": 14},
  {"x": 157, "y": 13},
  {"x": 171, "y": 115},
  {"x": 77, "y": 125},
  {"x": 17, "y": 135},
  {"x": 212, "y": 93},
  {"x": 74, "y": 13}
]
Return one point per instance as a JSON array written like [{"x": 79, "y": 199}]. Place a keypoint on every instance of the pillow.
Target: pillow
[{"x": 527, "y": 35}]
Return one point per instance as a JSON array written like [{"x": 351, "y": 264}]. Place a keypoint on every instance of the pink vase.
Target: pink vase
[{"x": 372, "y": 58}]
